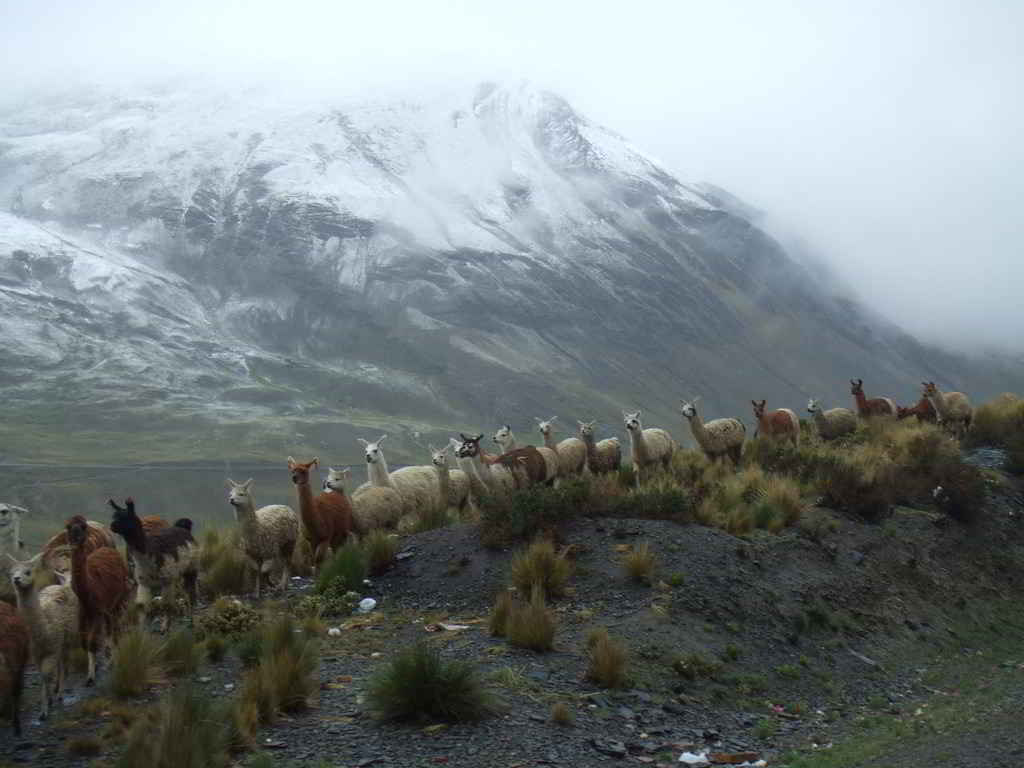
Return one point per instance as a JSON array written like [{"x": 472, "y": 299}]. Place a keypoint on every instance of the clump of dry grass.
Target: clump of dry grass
[
  {"x": 181, "y": 654},
  {"x": 531, "y": 624},
  {"x": 607, "y": 659},
  {"x": 284, "y": 679},
  {"x": 998, "y": 422},
  {"x": 84, "y": 746},
  {"x": 540, "y": 564},
  {"x": 498, "y": 622},
  {"x": 137, "y": 664},
  {"x": 561, "y": 714},
  {"x": 380, "y": 548},
  {"x": 223, "y": 568},
  {"x": 778, "y": 504},
  {"x": 640, "y": 562}
]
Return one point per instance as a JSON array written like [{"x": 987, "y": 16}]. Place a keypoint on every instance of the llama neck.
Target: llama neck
[
  {"x": 246, "y": 516},
  {"x": 476, "y": 484},
  {"x": 591, "y": 447},
  {"x": 31, "y": 610},
  {"x": 136, "y": 539},
  {"x": 79, "y": 583},
  {"x": 697, "y": 429},
  {"x": 443, "y": 482},
  {"x": 862, "y": 402},
  {"x": 938, "y": 402},
  {"x": 306, "y": 503},
  {"x": 638, "y": 445},
  {"x": 819, "y": 418},
  {"x": 484, "y": 471},
  {"x": 378, "y": 473},
  {"x": 549, "y": 440}
]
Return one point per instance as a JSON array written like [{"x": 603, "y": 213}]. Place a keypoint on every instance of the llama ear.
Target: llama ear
[
  {"x": 35, "y": 558},
  {"x": 8, "y": 556},
  {"x": 115, "y": 506},
  {"x": 382, "y": 439},
  {"x": 231, "y": 483},
  {"x": 362, "y": 442},
  {"x": 345, "y": 471},
  {"x": 315, "y": 462},
  {"x": 463, "y": 436},
  {"x": 247, "y": 484},
  {"x": 860, "y": 382},
  {"x": 291, "y": 462},
  {"x": 478, "y": 438},
  {"x": 553, "y": 418}
]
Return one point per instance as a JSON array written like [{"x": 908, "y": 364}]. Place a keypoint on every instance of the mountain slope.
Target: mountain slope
[{"x": 201, "y": 275}]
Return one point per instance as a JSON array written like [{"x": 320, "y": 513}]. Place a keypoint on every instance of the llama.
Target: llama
[
  {"x": 717, "y": 438},
  {"x": 100, "y": 581},
  {"x": 51, "y": 615},
  {"x": 833, "y": 423},
  {"x": 372, "y": 506},
  {"x": 165, "y": 554},
  {"x": 269, "y": 533},
  {"x": 452, "y": 484},
  {"x": 478, "y": 487},
  {"x": 506, "y": 440},
  {"x": 416, "y": 485},
  {"x": 57, "y": 551},
  {"x": 649, "y": 446},
  {"x": 572, "y": 453},
  {"x": 953, "y": 409},
  {"x": 10, "y": 528},
  {"x": 497, "y": 476},
  {"x": 922, "y": 409},
  {"x": 599, "y": 457},
  {"x": 781, "y": 423},
  {"x": 326, "y": 517},
  {"x": 14, "y": 645},
  {"x": 876, "y": 406}
]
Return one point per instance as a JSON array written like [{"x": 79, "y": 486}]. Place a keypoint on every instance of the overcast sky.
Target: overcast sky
[{"x": 889, "y": 135}]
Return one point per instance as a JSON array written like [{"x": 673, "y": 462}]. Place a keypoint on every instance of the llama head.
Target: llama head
[
  {"x": 184, "y": 523},
  {"x": 546, "y": 427},
  {"x": 337, "y": 479},
  {"x": 300, "y": 471},
  {"x": 23, "y": 572},
  {"x": 78, "y": 530},
  {"x": 374, "y": 455},
  {"x": 503, "y": 435},
  {"x": 125, "y": 520},
  {"x": 812, "y": 406},
  {"x": 632, "y": 421},
  {"x": 587, "y": 428},
  {"x": 930, "y": 390},
  {"x": 857, "y": 387},
  {"x": 10, "y": 519},
  {"x": 439, "y": 458},
  {"x": 238, "y": 493},
  {"x": 469, "y": 447},
  {"x": 688, "y": 409},
  {"x": 758, "y": 408}
]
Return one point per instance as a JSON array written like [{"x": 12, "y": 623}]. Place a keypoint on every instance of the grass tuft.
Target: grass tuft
[
  {"x": 607, "y": 659},
  {"x": 640, "y": 563},
  {"x": 380, "y": 549},
  {"x": 561, "y": 714},
  {"x": 531, "y": 624},
  {"x": 137, "y": 664},
  {"x": 540, "y": 564}
]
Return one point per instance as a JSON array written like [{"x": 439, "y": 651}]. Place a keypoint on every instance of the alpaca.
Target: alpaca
[
  {"x": 781, "y": 423},
  {"x": 326, "y": 517},
  {"x": 953, "y": 409},
  {"x": 10, "y": 528},
  {"x": 478, "y": 486},
  {"x": 922, "y": 409},
  {"x": 416, "y": 485},
  {"x": 269, "y": 533},
  {"x": 453, "y": 484},
  {"x": 717, "y": 438},
  {"x": 506, "y": 440},
  {"x": 833, "y": 423},
  {"x": 649, "y": 446},
  {"x": 372, "y": 506},
  {"x": 496, "y": 476},
  {"x": 14, "y": 645},
  {"x": 599, "y": 458},
  {"x": 572, "y": 453},
  {"x": 57, "y": 551},
  {"x": 165, "y": 554},
  {"x": 100, "y": 581},
  {"x": 51, "y": 615},
  {"x": 877, "y": 406}
]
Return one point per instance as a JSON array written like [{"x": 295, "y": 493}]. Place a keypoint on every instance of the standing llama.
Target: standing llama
[
  {"x": 506, "y": 440},
  {"x": 953, "y": 408},
  {"x": 51, "y": 615},
  {"x": 499, "y": 475},
  {"x": 780, "y": 424},
  {"x": 717, "y": 438},
  {"x": 452, "y": 484},
  {"x": 478, "y": 486},
  {"x": 100, "y": 581},
  {"x": 602, "y": 457},
  {"x": 922, "y": 409},
  {"x": 572, "y": 453},
  {"x": 14, "y": 644},
  {"x": 649, "y": 446},
  {"x": 416, "y": 485},
  {"x": 833, "y": 423},
  {"x": 57, "y": 551},
  {"x": 10, "y": 528},
  {"x": 876, "y": 406},
  {"x": 268, "y": 534},
  {"x": 326, "y": 517}
]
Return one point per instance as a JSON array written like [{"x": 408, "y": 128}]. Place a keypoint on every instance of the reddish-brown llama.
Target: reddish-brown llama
[
  {"x": 923, "y": 409},
  {"x": 14, "y": 646},
  {"x": 326, "y": 517},
  {"x": 781, "y": 423},
  {"x": 876, "y": 406}
]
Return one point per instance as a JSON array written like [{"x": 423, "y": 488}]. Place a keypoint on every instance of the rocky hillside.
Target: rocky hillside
[{"x": 188, "y": 274}]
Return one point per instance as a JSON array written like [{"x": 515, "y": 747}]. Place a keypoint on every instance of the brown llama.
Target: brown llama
[
  {"x": 519, "y": 460},
  {"x": 99, "y": 580},
  {"x": 780, "y": 424},
  {"x": 876, "y": 406},
  {"x": 14, "y": 646},
  {"x": 57, "y": 551},
  {"x": 923, "y": 409},
  {"x": 326, "y": 517}
]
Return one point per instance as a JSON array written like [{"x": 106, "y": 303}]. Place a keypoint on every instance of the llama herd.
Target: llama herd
[{"x": 95, "y": 583}]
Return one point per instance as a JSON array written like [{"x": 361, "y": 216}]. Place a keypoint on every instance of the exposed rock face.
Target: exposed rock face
[{"x": 213, "y": 275}]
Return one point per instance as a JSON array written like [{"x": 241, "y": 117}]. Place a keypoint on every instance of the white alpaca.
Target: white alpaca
[
  {"x": 718, "y": 437},
  {"x": 452, "y": 484},
  {"x": 374, "y": 508},
  {"x": 51, "y": 614},
  {"x": 269, "y": 533},
  {"x": 416, "y": 485},
  {"x": 506, "y": 440},
  {"x": 10, "y": 528},
  {"x": 572, "y": 453},
  {"x": 600, "y": 457},
  {"x": 952, "y": 409},
  {"x": 833, "y": 423},
  {"x": 649, "y": 446}
]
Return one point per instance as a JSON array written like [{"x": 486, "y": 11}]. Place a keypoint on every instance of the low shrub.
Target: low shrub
[
  {"x": 861, "y": 480},
  {"x": 284, "y": 679},
  {"x": 531, "y": 624},
  {"x": 419, "y": 683},
  {"x": 137, "y": 664},
  {"x": 693, "y": 666},
  {"x": 345, "y": 571},
  {"x": 639, "y": 563},
  {"x": 607, "y": 659},
  {"x": 498, "y": 622},
  {"x": 998, "y": 422},
  {"x": 540, "y": 564},
  {"x": 227, "y": 618},
  {"x": 523, "y": 514}
]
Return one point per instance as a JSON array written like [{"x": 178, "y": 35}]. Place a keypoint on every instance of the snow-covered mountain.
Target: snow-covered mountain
[{"x": 189, "y": 273}]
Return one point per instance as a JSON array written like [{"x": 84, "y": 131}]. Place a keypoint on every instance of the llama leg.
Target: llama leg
[
  {"x": 259, "y": 581},
  {"x": 46, "y": 675},
  {"x": 286, "y": 565},
  {"x": 90, "y": 676}
]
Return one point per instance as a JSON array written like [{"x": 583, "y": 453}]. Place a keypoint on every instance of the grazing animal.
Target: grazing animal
[
  {"x": 51, "y": 615},
  {"x": 923, "y": 409},
  {"x": 649, "y": 446},
  {"x": 506, "y": 440},
  {"x": 498, "y": 475},
  {"x": 416, "y": 485},
  {"x": 780, "y": 424},
  {"x": 100, "y": 581},
  {"x": 952, "y": 408},
  {"x": 876, "y": 406},
  {"x": 599, "y": 457},
  {"x": 269, "y": 533},
  {"x": 10, "y": 528},
  {"x": 57, "y": 551},
  {"x": 833, "y": 423},
  {"x": 717, "y": 438},
  {"x": 452, "y": 484},
  {"x": 326, "y": 517},
  {"x": 572, "y": 453},
  {"x": 165, "y": 555},
  {"x": 14, "y": 644}
]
